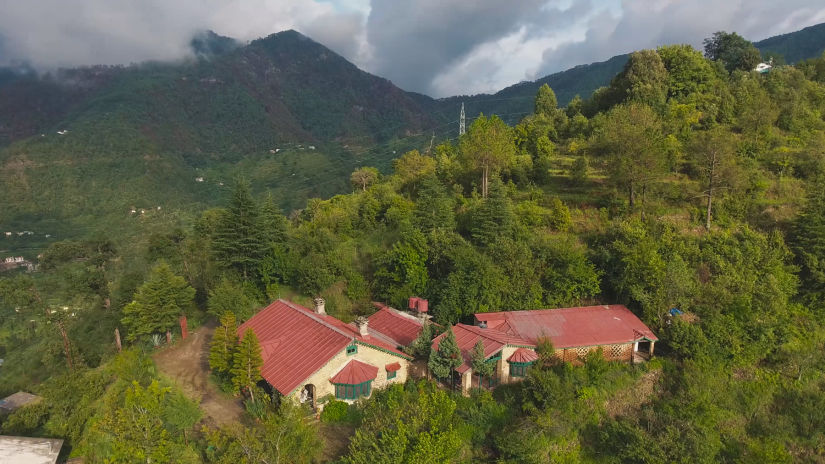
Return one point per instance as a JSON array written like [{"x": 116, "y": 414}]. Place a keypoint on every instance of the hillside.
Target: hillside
[
  {"x": 284, "y": 111},
  {"x": 517, "y": 100},
  {"x": 583, "y": 80},
  {"x": 796, "y": 46}
]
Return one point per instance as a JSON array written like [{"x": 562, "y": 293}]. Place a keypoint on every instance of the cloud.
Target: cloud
[
  {"x": 644, "y": 24},
  {"x": 53, "y": 33},
  {"x": 438, "y": 47}
]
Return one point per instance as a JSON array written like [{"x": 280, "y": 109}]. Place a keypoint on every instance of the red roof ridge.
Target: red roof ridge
[
  {"x": 505, "y": 314},
  {"x": 308, "y": 313},
  {"x": 497, "y": 335}
]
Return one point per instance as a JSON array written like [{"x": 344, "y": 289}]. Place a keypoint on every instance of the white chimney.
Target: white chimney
[
  {"x": 363, "y": 324},
  {"x": 319, "y": 306}
]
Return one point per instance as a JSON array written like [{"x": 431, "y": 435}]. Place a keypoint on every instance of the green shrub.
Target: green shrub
[{"x": 335, "y": 412}]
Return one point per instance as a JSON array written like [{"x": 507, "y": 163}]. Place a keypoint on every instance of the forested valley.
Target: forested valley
[{"x": 690, "y": 182}]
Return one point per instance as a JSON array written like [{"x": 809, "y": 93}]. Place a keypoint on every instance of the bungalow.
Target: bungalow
[
  {"x": 308, "y": 354},
  {"x": 512, "y": 337}
]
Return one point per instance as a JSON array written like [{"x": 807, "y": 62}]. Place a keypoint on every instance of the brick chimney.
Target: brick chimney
[
  {"x": 363, "y": 324},
  {"x": 319, "y": 305}
]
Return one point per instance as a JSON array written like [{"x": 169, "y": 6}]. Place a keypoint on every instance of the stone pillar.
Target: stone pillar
[{"x": 467, "y": 382}]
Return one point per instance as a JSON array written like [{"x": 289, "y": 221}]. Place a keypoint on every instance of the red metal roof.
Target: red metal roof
[
  {"x": 296, "y": 342},
  {"x": 399, "y": 327},
  {"x": 523, "y": 355},
  {"x": 466, "y": 336},
  {"x": 355, "y": 372},
  {"x": 571, "y": 327},
  {"x": 392, "y": 367}
]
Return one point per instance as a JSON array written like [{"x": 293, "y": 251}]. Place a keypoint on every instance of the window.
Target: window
[
  {"x": 352, "y": 392},
  {"x": 518, "y": 369},
  {"x": 352, "y": 349},
  {"x": 391, "y": 374}
]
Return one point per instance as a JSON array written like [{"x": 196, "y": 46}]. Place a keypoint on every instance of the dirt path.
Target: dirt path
[{"x": 187, "y": 363}]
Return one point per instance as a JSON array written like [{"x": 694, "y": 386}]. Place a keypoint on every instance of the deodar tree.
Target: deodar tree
[
  {"x": 479, "y": 363},
  {"x": 246, "y": 366},
  {"x": 239, "y": 241},
  {"x": 158, "y": 303},
  {"x": 224, "y": 344},
  {"x": 631, "y": 137},
  {"x": 446, "y": 358},
  {"x": 488, "y": 146},
  {"x": 715, "y": 161}
]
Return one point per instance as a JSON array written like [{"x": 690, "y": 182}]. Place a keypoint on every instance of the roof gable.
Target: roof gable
[
  {"x": 293, "y": 343},
  {"x": 355, "y": 372},
  {"x": 296, "y": 342},
  {"x": 402, "y": 329}
]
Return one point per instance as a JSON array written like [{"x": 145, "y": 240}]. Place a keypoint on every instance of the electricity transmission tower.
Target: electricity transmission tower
[{"x": 461, "y": 127}]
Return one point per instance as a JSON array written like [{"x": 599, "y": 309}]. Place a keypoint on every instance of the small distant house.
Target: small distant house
[
  {"x": 8, "y": 234},
  {"x": 198, "y": 179},
  {"x": 311, "y": 147},
  {"x": 29, "y": 450},
  {"x": 9, "y": 259},
  {"x": 19, "y": 259},
  {"x": 16, "y": 401},
  {"x": 511, "y": 337},
  {"x": 308, "y": 354},
  {"x": 763, "y": 68}
]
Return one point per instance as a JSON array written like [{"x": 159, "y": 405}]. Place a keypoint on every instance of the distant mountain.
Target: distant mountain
[
  {"x": 796, "y": 46},
  {"x": 583, "y": 80},
  {"x": 513, "y": 102},
  {"x": 207, "y": 44},
  {"x": 288, "y": 113}
]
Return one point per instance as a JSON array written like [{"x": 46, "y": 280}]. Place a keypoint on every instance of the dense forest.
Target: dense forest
[{"x": 690, "y": 182}]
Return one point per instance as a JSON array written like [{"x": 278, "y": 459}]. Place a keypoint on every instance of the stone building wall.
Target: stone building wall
[{"x": 366, "y": 354}]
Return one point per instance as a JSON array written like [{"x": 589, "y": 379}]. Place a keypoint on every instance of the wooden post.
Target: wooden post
[
  {"x": 117, "y": 340},
  {"x": 184, "y": 332},
  {"x": 168, "y": 337}
]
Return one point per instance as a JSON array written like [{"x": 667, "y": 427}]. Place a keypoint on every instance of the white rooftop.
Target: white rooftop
[{"x": 28, "y": 450}]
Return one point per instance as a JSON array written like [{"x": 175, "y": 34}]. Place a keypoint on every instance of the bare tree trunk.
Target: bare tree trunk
[
  {"x": 66, "y": 346},
  {"x": 711, "y": 181},
  {"x": 117, "y": 340},
  {"x": 484, "y": 181},
  {"x": 632, "y": 196},
  {"x": 707, "y": 217}
]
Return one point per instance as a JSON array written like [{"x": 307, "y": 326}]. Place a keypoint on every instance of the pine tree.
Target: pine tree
[
  {"x": 434, "y": 208},
  {"x": 239, "y": 241},
  {"x": 136, "y": 427},
  {"x": 546, "y": 103},
  {"x": 158, "y": 303},
  {"x": 807, "y": 241},
  {"x": 274, "y": 224},
  {"x": 420, "y": 347},
  {"x": 224, "y": 343},
  {"x": 488, "y": 146},
  {"x": 494, "y": 218},
  {"x": 479, "y": 362},
  {"x": 447, "y": 357},
  {"x": 246, "y": 366}
]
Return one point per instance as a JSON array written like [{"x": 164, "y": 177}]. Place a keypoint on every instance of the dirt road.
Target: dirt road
[{"x": 187, "y": 363}]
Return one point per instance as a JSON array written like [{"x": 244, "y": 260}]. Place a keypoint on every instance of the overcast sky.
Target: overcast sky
[{"x": 437, "y": 47}]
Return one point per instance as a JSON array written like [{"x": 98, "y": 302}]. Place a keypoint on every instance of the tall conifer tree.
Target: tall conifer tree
[
  {"x": 246, "y": 366},
  {"x": 240, "y": 241},
  {"x": 224, "y": 343}
]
